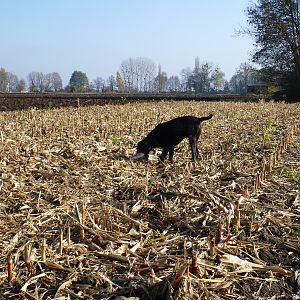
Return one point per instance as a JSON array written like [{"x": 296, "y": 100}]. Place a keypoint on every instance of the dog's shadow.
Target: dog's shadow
[
  {"x": 118, "y": 156},
  {"x": 122, "y": 157}
]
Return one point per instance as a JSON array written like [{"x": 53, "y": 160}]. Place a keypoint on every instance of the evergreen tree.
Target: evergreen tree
[{"x": 78, "y": 82}]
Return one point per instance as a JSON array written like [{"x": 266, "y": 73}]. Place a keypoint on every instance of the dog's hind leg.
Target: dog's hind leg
[
  {"x": 196, "y": 143},
  {"x": 193, "y": 144}
]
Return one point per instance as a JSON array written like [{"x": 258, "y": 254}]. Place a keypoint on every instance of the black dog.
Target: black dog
[{"x": 169, "y": 134}]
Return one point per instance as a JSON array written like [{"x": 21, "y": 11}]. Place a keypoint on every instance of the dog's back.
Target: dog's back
[{"x": 174, "y": 131}]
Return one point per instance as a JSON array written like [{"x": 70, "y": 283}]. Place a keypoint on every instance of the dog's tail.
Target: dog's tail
[{"x": 205, "y": 118}]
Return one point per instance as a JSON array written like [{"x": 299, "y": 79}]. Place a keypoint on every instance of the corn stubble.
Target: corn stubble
[{"x": 81, "y": 221}]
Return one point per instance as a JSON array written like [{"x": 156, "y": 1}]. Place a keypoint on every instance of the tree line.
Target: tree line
[
  {"x": 138, "y": 75},
  {"x": 274, "y": 26}
]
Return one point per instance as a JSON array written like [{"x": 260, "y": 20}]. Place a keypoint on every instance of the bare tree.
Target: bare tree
[
  {"x": 12, "y": 81},
  {"x": 127, "y": 73},
  {"x": 52, "y": 82},
  {"x": 174, "y": 84},
  {"x": 149, "y": 74},
  {"x": 186, "y": 80},
  {"x": 39, "y": 82},
  {"x": 161, "y": 81},
  {"x": 111, "y": 84},
  {"x": 197, "y": 78},
  {"x": 120, "y": 82},
  {"x": 3, "y": 80},
  {"x": 36, "y": 81},
  {"x": 99, "y": 84},
  {"x": 21, "y": 85},
  {"x": 137, "y": 74},
  {"x": 47, "y": 85},
  {"x": 9, "y": 82},
  {"x": 56, "y": 82}
]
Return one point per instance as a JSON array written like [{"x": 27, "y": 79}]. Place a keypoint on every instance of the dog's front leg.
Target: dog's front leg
[
  {"x": 164, "y": 154},
  {"x": 197, "y": 152},
  {"x": 171, "y": 153}
]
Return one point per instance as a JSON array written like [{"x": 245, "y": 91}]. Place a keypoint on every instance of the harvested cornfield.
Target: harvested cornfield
[{"x": 81, "y": 221}]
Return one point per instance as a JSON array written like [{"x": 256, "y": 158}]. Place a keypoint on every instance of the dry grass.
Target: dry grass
[{"x": 79, "y": 221}]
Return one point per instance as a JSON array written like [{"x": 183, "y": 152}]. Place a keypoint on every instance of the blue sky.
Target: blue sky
[{"x": 94, "y": 36}]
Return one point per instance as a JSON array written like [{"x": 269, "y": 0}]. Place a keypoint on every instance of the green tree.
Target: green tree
[
  {"x": 206, "y": 70},
  {"x": 217, "y": 79},
  {"x": 78, "y": 82},
  {"x": 275, "y": 27},
  {"x": 201, "y": 77}
]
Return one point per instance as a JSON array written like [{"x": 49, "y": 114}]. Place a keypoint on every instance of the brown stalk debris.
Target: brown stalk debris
[{"x": 81, "y": 221}]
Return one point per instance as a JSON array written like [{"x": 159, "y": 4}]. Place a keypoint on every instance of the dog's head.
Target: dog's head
[
  {"x": 144, "y": 147},
  {"x": 142, "y": 150}
]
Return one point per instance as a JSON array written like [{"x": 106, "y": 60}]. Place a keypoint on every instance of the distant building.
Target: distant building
[{"x": 257, "y": 88}]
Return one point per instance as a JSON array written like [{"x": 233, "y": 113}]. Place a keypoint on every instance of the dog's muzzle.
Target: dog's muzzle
[{"x": 137, "y": 156}]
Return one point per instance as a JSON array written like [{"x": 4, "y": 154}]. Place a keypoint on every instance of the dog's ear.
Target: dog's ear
[
  {"x": 141, "y": 146},
  {"x": 143, "y": 143}
]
